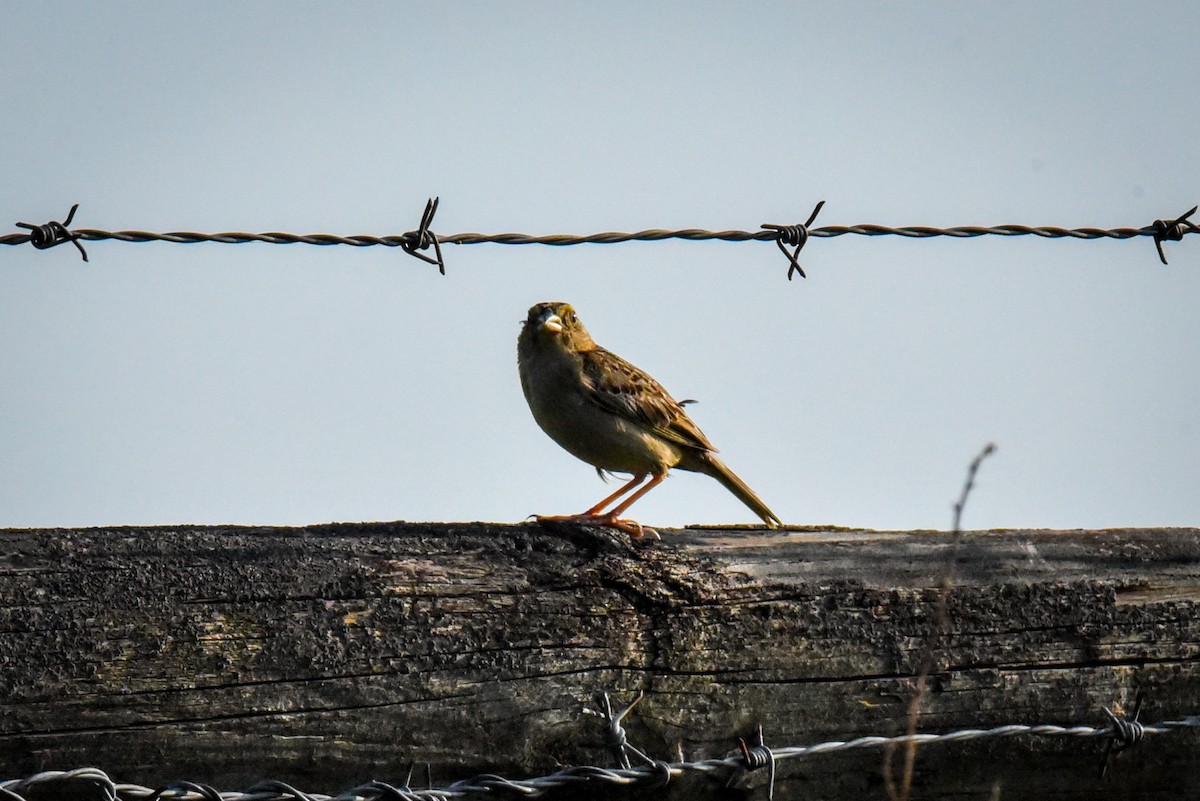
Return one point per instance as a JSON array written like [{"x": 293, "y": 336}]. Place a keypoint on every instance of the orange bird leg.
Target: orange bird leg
[
  {"x": 595, "y": 510},
  {"x": 654, "y": 482},
  {"x": 612, "y": 519}
]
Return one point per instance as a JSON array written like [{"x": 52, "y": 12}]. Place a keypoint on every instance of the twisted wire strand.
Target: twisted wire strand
[
  {"x": 573, "y": 777},
  {"x": 605, "y": 238},
  {"x": 413, "y": 243}
]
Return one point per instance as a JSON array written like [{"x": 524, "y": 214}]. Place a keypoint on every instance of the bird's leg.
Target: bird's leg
[
  {"x": 613, "y": 518},
  {"x": 637, "y": 479},
  {"x": 595, "y": 517},
  {"x": 654, "y": 482}
]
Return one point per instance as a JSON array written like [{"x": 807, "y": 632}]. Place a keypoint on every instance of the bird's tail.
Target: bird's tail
[{"x": 714, "y": 467}]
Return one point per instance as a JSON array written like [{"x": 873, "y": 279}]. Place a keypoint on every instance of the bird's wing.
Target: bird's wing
[{"x": 622, "y": 389}]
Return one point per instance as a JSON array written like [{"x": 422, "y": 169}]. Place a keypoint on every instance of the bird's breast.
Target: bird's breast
[{"x": 553, "y": 387}]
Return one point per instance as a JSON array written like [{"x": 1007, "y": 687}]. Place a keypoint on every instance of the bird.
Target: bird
[{"x": 612, "y": 415}]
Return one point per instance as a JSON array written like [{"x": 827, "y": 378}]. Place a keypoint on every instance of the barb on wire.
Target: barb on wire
[
  {"x": 795, "y": 236},
  {"x": 1126, "y": 733},
  {"x": 615, "y": 732},
  {"x": 760, "y": 756},
  {"x": 54, "y": 233},
  {"x": 422, "y": 238},
  {"x": 428, "y": 775},
  {"x": 1173, "y": 231}
]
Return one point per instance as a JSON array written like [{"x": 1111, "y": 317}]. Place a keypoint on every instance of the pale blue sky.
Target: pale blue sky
[{"x": 288, "y": 385}]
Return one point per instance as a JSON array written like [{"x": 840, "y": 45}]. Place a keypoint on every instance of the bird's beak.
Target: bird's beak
[{"x": 552, "y": 323}]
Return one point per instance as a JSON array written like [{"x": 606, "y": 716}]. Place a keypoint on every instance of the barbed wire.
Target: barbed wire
[
  {"x": 55, "y": 233},
  {"x": 1121, "y": 734}
]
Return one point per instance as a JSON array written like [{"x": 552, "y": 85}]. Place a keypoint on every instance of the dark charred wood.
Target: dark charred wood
[{"x": 328, "y": 655}]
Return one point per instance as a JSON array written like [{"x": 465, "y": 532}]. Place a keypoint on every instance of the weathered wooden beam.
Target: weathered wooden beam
[{"x": 327, "y": 655}]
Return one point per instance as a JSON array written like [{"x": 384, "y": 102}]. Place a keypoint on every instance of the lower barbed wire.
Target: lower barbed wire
[{"x": 656, "y": 774}]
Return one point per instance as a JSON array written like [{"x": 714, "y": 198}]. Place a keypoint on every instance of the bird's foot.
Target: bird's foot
[{"x": 630, "y": 527}]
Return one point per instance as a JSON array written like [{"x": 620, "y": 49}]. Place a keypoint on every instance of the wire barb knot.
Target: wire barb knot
[
  {"x": 1126, "y": 733},
  {"x": 1173, "y": 231},
  {"x": 54, "y": 233},
  {"x": 615, "y": 738},
  {"x": 422, "y": 238},
  {"x": 759, "y": 756},
  {"x": 793, "y": 236}
]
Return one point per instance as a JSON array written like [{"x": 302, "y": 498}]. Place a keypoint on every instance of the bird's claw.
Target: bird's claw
[{"x": 630, "y": 527}]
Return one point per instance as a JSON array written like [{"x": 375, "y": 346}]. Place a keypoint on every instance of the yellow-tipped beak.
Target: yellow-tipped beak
[{"x": 553, "y": 323}]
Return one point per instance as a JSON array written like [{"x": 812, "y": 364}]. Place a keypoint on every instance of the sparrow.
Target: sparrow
[{"x": 612, "y": 415}]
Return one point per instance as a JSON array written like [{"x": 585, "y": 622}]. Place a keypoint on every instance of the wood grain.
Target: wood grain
[{"x": 327, "y": 655}]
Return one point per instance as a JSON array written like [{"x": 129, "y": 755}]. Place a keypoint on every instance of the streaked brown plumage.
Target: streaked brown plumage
[{"x": 612, "y": 415}]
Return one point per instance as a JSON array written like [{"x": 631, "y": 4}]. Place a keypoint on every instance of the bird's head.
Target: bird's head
[{"x": 554, "y": 322}]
